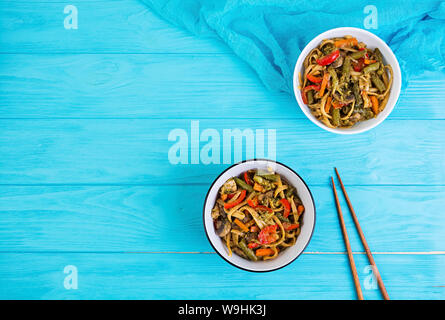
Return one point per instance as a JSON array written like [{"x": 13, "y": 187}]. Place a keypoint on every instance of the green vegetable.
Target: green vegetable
[
  {"x": 369, "y": 114},
  {"x": 310, "y": 97},
  {"x": 243, "y": 185},
  {"x": 270, "y": 177},
  {"x": 378, "y": 83},
  {"x": 335, "y": 117},
  {"x": 280, "y": 216},
  {"x": 346, "y": 69},
  {"x": 265, "y": 183},
  {"x": 247, "y": 251},
  {"x": 328, "y": 48},
  {"x": 372, "y": 67},
  {"x": 358, "y": 54},
  {"x": 378, "y": 56},
  {"x": 357, "y": 95}
]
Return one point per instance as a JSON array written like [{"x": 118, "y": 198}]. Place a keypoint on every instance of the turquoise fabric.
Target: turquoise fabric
[{"x": 269, "y": 35}]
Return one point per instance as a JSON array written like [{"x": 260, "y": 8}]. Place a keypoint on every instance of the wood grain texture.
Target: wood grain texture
[
  {"x": 136, "y": 152},
  {"x": 169, "y": 219},
  {"x": 103, "y": 26},
  {"x": 85, "y": 177},
  {"x": 177, "y": 276},
  {"x": 159, "y": 85}
]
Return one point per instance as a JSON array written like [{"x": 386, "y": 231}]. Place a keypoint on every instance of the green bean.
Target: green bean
[
  {"x": 372, "y": 67},
  {"x": 378, "y": 83},
  {"x": 310, "y": 97},
  {"x": 247, "y": 251},
  {"x": 357, "y": 95},
  {"x": 346, "y": 69},
  {"x": 266, "y": 184},
  {"x": 280, "y": 216},
  {"x": 358, "y": 54},
  {"x": 243, "y": 185},
  {"x": 258, "y": 179},
  {"x": 268, "y": 176},
  {"x": 336, "y": 117},
  {"x": 379, "y": 57}
]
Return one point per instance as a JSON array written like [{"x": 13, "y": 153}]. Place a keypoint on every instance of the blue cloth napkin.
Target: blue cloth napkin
[{"x": 270, "y": 34}]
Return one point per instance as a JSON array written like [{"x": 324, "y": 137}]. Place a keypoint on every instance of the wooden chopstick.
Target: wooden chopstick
[
  {"x": 358, "y": 288},
  {"x": 362, "y": 238}
]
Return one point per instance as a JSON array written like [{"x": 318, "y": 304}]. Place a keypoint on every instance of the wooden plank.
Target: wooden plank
[
  {"x": 193, "y": 276},
  {"x": 99, "y": 151},
  {"x": 163, "y": 86},
  {"x": 169, "y": 219},
  {"x": 103, "y": 26}
]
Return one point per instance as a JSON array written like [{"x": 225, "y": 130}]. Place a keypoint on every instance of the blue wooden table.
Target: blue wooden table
[{"x": 86, "y": 180}]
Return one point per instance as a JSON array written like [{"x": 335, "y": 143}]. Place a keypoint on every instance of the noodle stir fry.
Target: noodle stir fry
[
  {"x": 257, "y": 215},
  {"x": 344, "y": 82}
]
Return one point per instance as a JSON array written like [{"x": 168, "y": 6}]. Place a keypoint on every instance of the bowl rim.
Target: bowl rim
[
  {"x": 204, "y": 214},
  {"x": 396, "y": 83}
]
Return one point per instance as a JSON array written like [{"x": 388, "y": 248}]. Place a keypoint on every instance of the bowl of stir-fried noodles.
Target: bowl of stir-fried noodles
[
  {"x": 347, "y": 80},
  {"x": 259, "y": 215}
]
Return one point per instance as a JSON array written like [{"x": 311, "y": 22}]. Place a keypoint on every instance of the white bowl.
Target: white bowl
[
  {"x": 372, "y": 42},
  {"x": 308, "y": 218}
]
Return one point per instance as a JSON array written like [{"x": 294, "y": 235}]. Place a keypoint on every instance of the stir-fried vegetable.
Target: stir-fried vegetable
[
  {"x": 344, "y": 82},
  {"x": 257, "y": 215}
]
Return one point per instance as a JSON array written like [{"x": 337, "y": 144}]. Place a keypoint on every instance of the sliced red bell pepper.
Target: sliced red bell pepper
[
  {"x": 253, "y": 202},
  {"x": 268, "y": 234},
  {"x": 237, "y": 201},
  {"x": 253, "y": 245},
  {"x": 247, "y": 179},
  {"x": 286, "y": 206},
  {"x": 230, "y": 195},
  {"x": 359, "y": 65},
  {"x": 306, "y": 89},
  {"x": 328, "y": 59},
  {"x": 314, "y": 79},
  {"x": 290, "y": 226}
]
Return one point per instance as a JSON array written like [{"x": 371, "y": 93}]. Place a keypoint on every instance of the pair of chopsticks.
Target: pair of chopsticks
[{"x": 362, "y": 238}]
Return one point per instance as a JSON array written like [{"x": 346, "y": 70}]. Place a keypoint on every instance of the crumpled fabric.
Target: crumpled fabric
[{"x": 269, "y": 35}]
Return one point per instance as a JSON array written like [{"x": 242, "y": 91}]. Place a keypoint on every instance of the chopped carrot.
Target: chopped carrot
[
  {"x": 258, "y": 187},
  {"x": 223, "y": 196},
  {"x": 375, "y": 105},
  {"x": 327, "y": 107},
  {"x": 346, "y": 42},
  {"x": 300, "y": 209},
  {"x": 324, "y": 82},
  {"x": 264, "y": 252},
  {"x": 367, "y": 61},
  {"x": 241, "y": 225}
]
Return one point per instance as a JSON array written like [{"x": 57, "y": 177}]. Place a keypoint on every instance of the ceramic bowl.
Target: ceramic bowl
[
  {"x": 307, "y": 219},
  {"x": 372, "y": 42}
]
